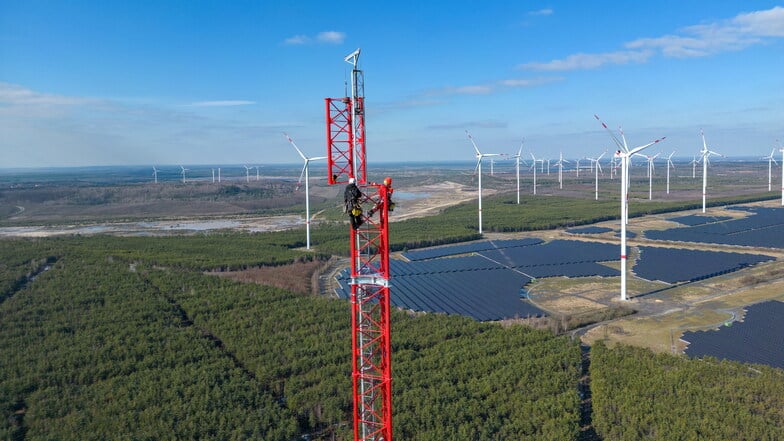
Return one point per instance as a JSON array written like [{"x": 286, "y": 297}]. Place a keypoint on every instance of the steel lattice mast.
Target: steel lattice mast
[{"x": 370, "y": 300}]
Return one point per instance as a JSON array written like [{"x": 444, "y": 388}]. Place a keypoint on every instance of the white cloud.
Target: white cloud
[
  {"x": 494, "y": 87},
  {"x": 331, "y": 37},
  {"x": 546, "y": 11},
  {"x": 224, "y": 103},
  {"x": 296, "y": 40},
  {"x": 15, "y": 95},
  {"x": 590, "y": 61},
  {"x": 745, "y": 29},
  {"x": 326, "y": 37}
]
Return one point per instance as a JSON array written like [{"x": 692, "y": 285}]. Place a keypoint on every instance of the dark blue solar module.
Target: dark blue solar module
[
  {"x": 674, "y": 265},
  {"x": 758, "y": 339},
  {"x": 488, "y": 294},
  {"x": 581, "y": 269},
  {"x": 588, "y": 230},
  {"x": 473, "y": 247},
  {"x": 556, "y": 252},
  {"x": 694, "y": 220},
  {"x": 629, "y": 234},
  {"x": 764, "y": 227}
]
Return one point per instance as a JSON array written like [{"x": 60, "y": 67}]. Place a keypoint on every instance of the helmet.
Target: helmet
[
  {"x": 350, "y": 180},
  {"x": 387, "y": 181}
]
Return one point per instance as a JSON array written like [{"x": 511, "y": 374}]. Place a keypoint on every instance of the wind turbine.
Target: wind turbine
[
  {"x": 624, "y": 153},
  {"x": 533, "y": 167},
  {"x": 669, "y": 165},
  {"x": 597, "y": 169},
  {"x": 782, "y": 177},
  {"x": 247, "y": 173},
  {"x": 183, "y": 173},
  {"x": 155, "y": 174},
  {"x": 307, "y": 186},
  {"x": 577, "y": 167},
  {"x": 479, "y": 156},
  {"x": 694, "y": 162},
  {"x": 705, "y": 154},
  {"x": 650, "y": 172},
  {"x": 257, "y": 172},
  {"x": 560, "y": 164},
  {"x": 219, "y": 175},
  {"x": 517, "y": 168},
  {"x": 770, "y": 166}
]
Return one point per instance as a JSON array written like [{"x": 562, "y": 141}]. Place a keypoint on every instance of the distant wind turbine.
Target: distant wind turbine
[
  {"x": 782, "y": 177},
  {"x": 770, "y": 167},
  {"x": 479, "y": 156},
  {"x": 650, "y": 173},
  {"x": 694, "y": 162},
  {"x": 560, "y": 164},
  {"x": 155, "y": 174},
  {"x": 705, "y": 153},
  {"x": 183, "y": 173},
  {"x": 247, "y": 173},
  {"x": 305, "y": 173},
  {"x": 598, "y": 169},
  {"x": 518, "y": 159},
  {"x": 624, "y": 154},
  {"x": 533, "y": 167},
  {"x": 257, "y": 172},
  {"x": 213, "y": 175},
  {"x": 669, "y": 165}
]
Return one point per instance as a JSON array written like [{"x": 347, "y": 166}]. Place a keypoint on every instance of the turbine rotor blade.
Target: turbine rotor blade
[{"x": 615, "y": 138}]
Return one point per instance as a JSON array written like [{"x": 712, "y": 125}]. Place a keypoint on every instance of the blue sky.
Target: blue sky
[{"x": 218, "y": 82}]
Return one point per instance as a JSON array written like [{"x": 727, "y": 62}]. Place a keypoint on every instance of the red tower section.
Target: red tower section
[{"x": 371, "y": 352}]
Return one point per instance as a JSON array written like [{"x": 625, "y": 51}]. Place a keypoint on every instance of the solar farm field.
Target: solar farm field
[
  {"x": 764, "y": 227},
  {"x": 759, "y": 338}
]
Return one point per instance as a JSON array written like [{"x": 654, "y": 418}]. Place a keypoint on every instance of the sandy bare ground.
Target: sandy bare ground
[{"x": 423, "y": 201}]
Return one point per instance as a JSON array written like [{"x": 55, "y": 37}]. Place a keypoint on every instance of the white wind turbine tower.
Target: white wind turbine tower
[
  {"x": 155, "y": 174},
  {"x": 624, "y": 153},
  {"x": 597, "y": 169},
  {"x": 782, "y": 177},
  {"x": 705, "y": 154},
  {"x": 560, "y": 165},
  {"x": 219, "y": 175},
  {"x": 213, "y": 175},
  {"x": 770, "y": 167},
  {"x": 533, "y": 167},
  {"x": 694, "y": 162},
  {"x": 305, "y": 172},
  {"x": 257, "y": 172},
  {"x": 517, "y": 168},
  {"x": 479, "y": 156},
  {"x": 247, "y": 173},
  {"x": 650, "y": 173},
  {"x": 183, "y": 173},
  {"x": 669, "y": 165},
  {"x": 577, "y": 167}
]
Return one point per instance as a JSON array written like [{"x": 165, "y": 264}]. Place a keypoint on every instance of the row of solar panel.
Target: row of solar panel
[
  {"x": 673, "y": 265},
  {"x": 472, "y": 247},
  {"x": 554, "y": 253},
  {"x": 764, "y": 227},
  {"x": 694, "y": 220},
  {"x": 758, "y": 339},
  {"x": 492, "y": 294}
]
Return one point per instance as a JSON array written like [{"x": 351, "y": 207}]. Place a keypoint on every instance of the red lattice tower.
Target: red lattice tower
[{"x": 370, "y": 303}]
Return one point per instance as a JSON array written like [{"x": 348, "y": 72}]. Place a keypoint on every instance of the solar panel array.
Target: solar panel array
[
  {"x": 758, "y": 339},
  {"x": 674, "y": 265},
  {"x": 694, "y": 220},
  {"x": 557, "y": 252},
  {"x": 764, "y": 227},
  {"x": 472, "y": 247},
  {"x": 471, "y": 286},
  {"x": 588, "y": 230},
  {"x": 488, "y": 285}
]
